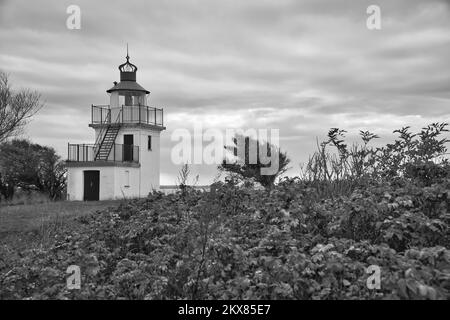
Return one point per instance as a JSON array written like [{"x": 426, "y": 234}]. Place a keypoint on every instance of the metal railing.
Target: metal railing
[
  {"x": 80, "y": 152},
  {"x": 86, "y": 153},
  {"x": 101, "y": 114},
  {"x": 128, "y": 114}
]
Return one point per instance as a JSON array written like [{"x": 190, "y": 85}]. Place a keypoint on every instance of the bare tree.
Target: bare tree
[
  {"x": 16, "y": 108},
  {"x": 183, "y": 177}
]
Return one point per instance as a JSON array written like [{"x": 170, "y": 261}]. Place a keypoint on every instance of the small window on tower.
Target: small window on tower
[{"x": 149, "y": 146}]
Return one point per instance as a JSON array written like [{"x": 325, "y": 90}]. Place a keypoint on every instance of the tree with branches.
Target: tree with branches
[{"x": 16, "y": 107}]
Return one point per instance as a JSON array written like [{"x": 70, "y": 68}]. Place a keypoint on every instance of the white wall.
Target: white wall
[
  {"x": 75, "y": 184},
  {"x": 126, "y": 188},
  {"x": 149, "y": 159},
  {"x": 113, "y": 182},
  {"x": 114, "y": 99},
  {"x": 75, "y": 187},
  {"x": 144, "y": 179}
]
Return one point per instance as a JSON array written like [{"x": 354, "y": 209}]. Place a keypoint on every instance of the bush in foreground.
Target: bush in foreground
[
  {"x": 309, "y": 238},
  {"x": 238, "y": 243}
]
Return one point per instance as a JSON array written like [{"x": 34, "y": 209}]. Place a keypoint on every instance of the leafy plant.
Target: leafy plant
[{"x": 302, "y": 239}]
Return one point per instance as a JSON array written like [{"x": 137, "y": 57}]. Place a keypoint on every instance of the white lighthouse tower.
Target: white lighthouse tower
[{"x": 124, "y": 159}]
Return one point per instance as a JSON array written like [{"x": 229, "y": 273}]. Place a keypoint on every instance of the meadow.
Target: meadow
[{"x": 34, "y": 223}]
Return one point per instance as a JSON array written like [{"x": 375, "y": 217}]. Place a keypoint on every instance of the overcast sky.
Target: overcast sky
[{"x": 298, "y": 66}]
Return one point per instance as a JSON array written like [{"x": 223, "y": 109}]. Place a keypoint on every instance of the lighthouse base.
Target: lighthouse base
[{"x": 97, "y": 183}]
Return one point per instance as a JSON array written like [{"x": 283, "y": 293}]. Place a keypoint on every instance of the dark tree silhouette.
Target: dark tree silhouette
[
  {"x": 31, "y": 167},
  {"x": 251, "y": 163}
]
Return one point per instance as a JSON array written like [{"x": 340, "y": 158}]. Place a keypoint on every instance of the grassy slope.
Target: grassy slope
[{"x": 31, "y": 224}]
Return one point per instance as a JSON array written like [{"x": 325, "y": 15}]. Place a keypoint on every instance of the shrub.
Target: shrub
[
  {"x": 238, "y": 243},
  {"x": 31, "y": 167},
  {"x": 302, "y": 239}
]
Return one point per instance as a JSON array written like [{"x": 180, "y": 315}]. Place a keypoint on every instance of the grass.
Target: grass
[{"x": 30, "y": 225}]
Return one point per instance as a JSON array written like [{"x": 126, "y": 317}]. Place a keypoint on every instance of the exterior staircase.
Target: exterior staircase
[{"x": 107, "y": 143}]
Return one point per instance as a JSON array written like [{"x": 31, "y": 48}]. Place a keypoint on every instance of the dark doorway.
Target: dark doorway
[
  {"x": 91, "y": 185},
  {"x": 128, "y": 147}
]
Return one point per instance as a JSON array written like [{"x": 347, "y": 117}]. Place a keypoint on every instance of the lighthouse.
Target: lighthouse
[{"x": 123, "y": 161}]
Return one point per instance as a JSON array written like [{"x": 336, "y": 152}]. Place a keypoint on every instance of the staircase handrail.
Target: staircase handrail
[{"x": 102, "y": 134}]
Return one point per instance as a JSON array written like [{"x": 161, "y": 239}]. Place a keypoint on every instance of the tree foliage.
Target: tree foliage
[
  {"x": 250, "y": 165},
  {"x": 30, "y": 166}
]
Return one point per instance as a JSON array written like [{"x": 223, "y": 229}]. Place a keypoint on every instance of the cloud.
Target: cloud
[{"x": 299, "y": 66}]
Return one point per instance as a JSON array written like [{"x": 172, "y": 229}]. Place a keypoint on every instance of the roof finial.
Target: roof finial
[{"x": 127, "y": 66}]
